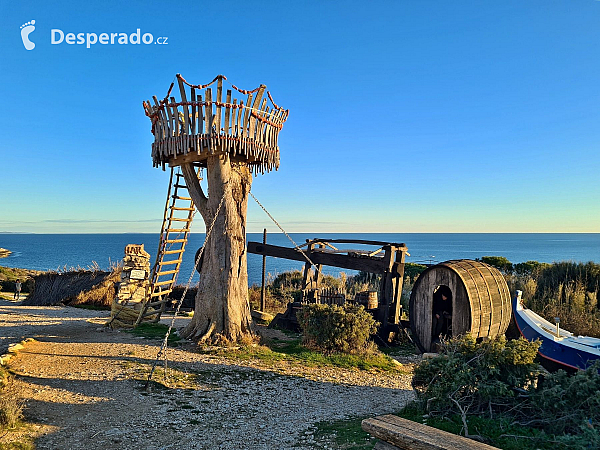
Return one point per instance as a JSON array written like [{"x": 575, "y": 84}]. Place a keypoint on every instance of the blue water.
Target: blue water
[{"x": 55, "y": 251}]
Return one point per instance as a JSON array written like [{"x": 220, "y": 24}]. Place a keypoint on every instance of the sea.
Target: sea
[{"x": 65, "y": 251}]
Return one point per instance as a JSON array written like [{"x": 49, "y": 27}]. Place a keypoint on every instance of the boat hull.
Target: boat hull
[{"x": 555, "y": 354}]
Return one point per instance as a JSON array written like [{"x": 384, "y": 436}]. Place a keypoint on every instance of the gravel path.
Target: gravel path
[{"x": 82, "y": 388}]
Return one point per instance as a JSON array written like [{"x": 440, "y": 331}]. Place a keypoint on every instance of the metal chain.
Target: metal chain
[
  {"x": 282, "y": 230},
  {"x": 163, "y": 347}
]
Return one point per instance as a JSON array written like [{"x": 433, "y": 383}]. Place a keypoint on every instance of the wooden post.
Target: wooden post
[
  {"x": 307, "y": 279},
  {"x": 398, "y": 277},
  {"x": 264, "y": 268},
  {"x": 387, "y": 286},
  {"x": 318, "y": 274}
]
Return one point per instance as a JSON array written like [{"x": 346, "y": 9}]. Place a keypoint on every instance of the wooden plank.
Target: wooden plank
[
  {"x": 186, "y": 111},
  {"x": 166, "y": 263},
  {"x": 218, "y": 108},
  {"x": 161, "y": 120},
  {"x": 168, "y": 272},
  {"x": 170, "y": 131},
  {"x": 406, "y": 434},
  {"x": 260, "y": 125},
  {"x": 255, "y": 105},
  {"x": 228, "y": 113},
  {"x": 238, "y": 120},
  {"x": 193, "y": 118},
  {"x": 172, "y": 252},
  {"x": 246, "y": 119},
  {"x": 360, "y": 241},
  {"x": 343, "y": 261},
  {"x": 175, "y": 115},
  {"x": 235, "y": 119},
  {"x": 159, "y": 293},
  {"x": 264, "y": 131},
  {"x": 208, "y": 116},
  {"x": 200, "y": 122}
]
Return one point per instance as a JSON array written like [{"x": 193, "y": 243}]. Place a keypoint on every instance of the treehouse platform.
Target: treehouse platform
[{"x": 201, "y": 123}]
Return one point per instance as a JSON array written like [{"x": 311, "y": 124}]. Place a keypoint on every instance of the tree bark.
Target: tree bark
[{"x": 221, "y": 306}]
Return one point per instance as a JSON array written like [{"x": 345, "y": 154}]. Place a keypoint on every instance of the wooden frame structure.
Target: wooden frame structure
[
  {"x": 197, "y": 125},
  {"x": 386, "y": 260}
]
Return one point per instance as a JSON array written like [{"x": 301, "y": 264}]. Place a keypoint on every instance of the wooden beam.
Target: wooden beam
[
  {"x": 399, "y": 246},
  {"x": 406, "y": 434},
  {"x": 373, "y": 265}
]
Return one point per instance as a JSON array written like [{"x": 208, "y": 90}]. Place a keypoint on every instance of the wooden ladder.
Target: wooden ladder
[{"x": 173, "y": 238}]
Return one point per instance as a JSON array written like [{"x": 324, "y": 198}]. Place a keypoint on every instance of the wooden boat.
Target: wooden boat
[{"x": 560, "y": 348}]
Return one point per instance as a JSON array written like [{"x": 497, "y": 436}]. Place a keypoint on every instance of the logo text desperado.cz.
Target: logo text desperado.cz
[{"x": 58, "y": 37}]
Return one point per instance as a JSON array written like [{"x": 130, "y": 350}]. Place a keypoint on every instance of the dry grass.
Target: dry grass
[
  {"x": 11, "y": 405},
  {"x": 101, "y": 294}
]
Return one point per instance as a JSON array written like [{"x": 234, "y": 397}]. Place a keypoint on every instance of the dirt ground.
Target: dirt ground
[{"x": 83, "y": 389}]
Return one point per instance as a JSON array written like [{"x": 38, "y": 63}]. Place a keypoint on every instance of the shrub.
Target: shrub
[
  {"x": 11, "y": 406},
  {"x": 332, "y": 328},
  {"x": 469, "y": 377},
  {"x": 494, "y": 381},
  {"x": 569, "y": 403},
  {"x": 532, "y": 268},
  {"x": 412, "y": 271},
  {"x": 499, "y": 262},
  {"x": 291, "y": 280}
]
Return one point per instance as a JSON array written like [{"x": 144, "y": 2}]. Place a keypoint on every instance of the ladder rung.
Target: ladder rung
[
  {"x": 172, "y": 252},
  {"x": 168, "y": 272},
  {"x": 153, "y": 304},
  {"x": 177, "y": 208},
  {"x": 181, "y": 186},
  {"x": 175, "y": 241},
  {"x": 152, "y": 313},
  {"x": 179, "y": 175},
  {"x": 177, "y": 197},
  {"x": 164, "y": 263},
  {"x": 162, "y": 283},
  {"x": 178, "y": 219},
  {"x": 159, "y": 293},
  {"x": 177, "y": 230}
]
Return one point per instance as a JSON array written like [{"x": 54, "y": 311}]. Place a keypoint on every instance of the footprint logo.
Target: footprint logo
[{"x": 26, "y": 30}]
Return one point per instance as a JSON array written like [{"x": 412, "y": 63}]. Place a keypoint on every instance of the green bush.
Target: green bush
[
  {"x": 569, "y": 403},
  {"x": 532, "y": 268},
  {"x": 497, "y": 381},
  {"x": 291, "y": 280},
  {"x": 499, "y": 262},
  {"x": 332, "y": 328},
  {"x": 470, "y": 377},
  {"x": 412, "y": 271}
]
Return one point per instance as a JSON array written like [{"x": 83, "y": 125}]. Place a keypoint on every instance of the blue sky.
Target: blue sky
[{"x": 405, "y": 116}]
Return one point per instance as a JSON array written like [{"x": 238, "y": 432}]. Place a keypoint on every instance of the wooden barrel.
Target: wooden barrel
[
  {"x": 367, "y": 298},
  {"x": 479, "y": 295}
]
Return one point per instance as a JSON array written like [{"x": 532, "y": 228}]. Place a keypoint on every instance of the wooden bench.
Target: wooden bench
[{"x": 395, "y": 432}]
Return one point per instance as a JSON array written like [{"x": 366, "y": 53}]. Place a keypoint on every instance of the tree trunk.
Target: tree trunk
[{"x": 221, "y": 306}]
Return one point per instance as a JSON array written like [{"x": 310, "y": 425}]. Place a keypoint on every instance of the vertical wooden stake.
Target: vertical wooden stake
[{"x": 264, "y": 268}]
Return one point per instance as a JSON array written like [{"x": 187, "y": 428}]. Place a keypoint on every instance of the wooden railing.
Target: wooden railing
[{"x": 198, "y": 125}]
